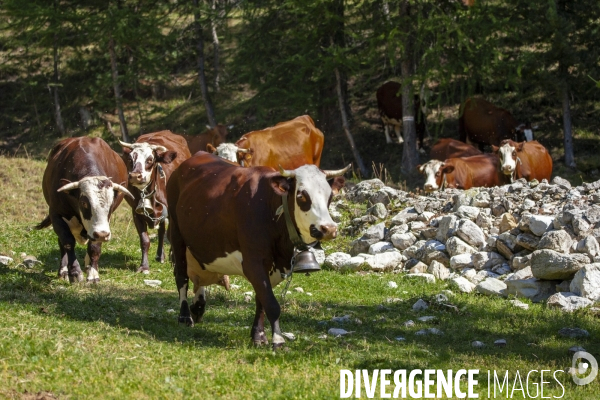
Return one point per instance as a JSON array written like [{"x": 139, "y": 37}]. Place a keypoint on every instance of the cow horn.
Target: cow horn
[
  {"x": 69, "y": 186},
  {"x": 243, "y": 150},
  {"x": 123, "y": 190},
  {"x": 339, "y": 172},
  {"x": 129, "y": 145},
  {"x": 287, "y": 173},
  {"x": 157, "y": 147}
]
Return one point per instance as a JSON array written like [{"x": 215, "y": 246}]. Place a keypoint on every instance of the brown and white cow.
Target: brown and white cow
[
  {"x": 288, "y": 144},
  {"x": 225, "y": 219},
  {"x": 227, "y": 151},
  {"x": 529, "y": 160},
  {"x": 482, "y": 123},
  {"x": 451, "y": 148},
  {"x": 214, "y": 136},
  {"x": 82, "y": 185},
  {"x": 150, "y": 162},
  {"x": 463, "y": 173},
  {"x": 389, "y": 102}
]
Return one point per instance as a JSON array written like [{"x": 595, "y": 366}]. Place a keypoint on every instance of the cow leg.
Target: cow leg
[
  {"x": 160, "y": 251},
  {"x": 142, "y": 229},
  {"x": 69, "y": 266},
  {"x": 180, "y": 271},
  {"x": 258, "y": 326},
  {"x": 92, "y": 256},
  {"x": 199, "y": 303},
  {"x": 264, "y": 295},
  {"x": 397, "y": 130},
  {"x": 386, "y": 129}
]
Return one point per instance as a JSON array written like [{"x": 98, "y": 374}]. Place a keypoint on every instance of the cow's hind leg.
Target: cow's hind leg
[
  {"x": 160, "y": 250},
  {"x": 91, "y": 261},
  {"x": 386, "y": 129},
  {"x": 198, "y": 306},
  {"x": 399, "y": 134},
  {"x": 258, "y": 327},
  {"x": 180, "y": 271}
]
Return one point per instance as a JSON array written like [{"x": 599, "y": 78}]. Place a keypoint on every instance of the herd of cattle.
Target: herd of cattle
[{"x": 224, "y": 208}]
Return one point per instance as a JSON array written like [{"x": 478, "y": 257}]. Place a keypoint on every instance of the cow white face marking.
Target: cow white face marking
[
  {"x": 142, "y": 159},
  {"x": 311, "y": 210},
  {"x": 528, "y": 135},
  {"x": 228, "y": 151},
  {"x": 75, "y": 227},
  {"x": 95, "y": 199},
  {"x": 432, "y": 170},
  {"x": 508, "y": 155}
]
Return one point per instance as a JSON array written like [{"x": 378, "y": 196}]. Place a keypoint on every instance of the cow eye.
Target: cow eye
[
  {"x": 300, "y": 196},
  {"x": 514, "y": 153}
]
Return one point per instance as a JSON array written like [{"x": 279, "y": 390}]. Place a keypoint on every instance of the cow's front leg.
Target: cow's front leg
[
  {"x": 258, "y": 327},
  {"x": 386, "y": 129},
  {"x": 142, "y": 228},
  {"x": 398, "y": 134},
  {"x": 69, "y": 266},
  {"x": 160, "y": 251},
  {"x": 92, "y": 256}
]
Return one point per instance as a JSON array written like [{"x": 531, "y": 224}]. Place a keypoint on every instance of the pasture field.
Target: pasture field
[{"x": 120, "y": 339}]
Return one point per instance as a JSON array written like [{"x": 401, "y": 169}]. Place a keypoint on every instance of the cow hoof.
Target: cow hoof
[
  {"x": 143, "y": 270},
  {"x": 260, "y": 339},
  {"x": 279, "y": 347},
  {"x": 186, "y": 320},
  {"x": 75, "y": 278},
  {"x": 160, "y": 259},
  {"x": 64, "y": 276},
  {"x": 94, "y": 280}
]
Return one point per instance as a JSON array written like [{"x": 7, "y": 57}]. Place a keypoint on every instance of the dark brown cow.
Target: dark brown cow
[
  {"x": 529, "y": 160},
  {"x": 224, "y": 220},
  {"x": 451, "y": 148},
  {"x": 82, "y": 185},
  {"x": 463, "y": 173},
  {"x": 214, "y": 136},
  {"x": 483, "y": 123},
  {"x": 290, "y": 144},
  {"x": 389, "y": 102},
  {"x": 150, "y": 162}
]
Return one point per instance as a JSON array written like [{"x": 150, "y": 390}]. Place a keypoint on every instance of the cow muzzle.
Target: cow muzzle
[
  {"x": 324, "y": 232},
  {"x": 101, "y": 236},
  {"x": 429, "y": 187},
  {"x": 507, "y": 169},
  {"x": 136, "y": 178}
]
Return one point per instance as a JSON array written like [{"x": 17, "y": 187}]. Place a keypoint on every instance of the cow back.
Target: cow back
[
  {"x": 535, "y": 162},
  {"x": 75, "y": 158},
  {"x": 214, "y": 136},
  {"x": 290, "y": 144},
  {"x": 475, "y": 171},
  {"x": 451, "y": 148},
  {"x": 484, "y": 123}
]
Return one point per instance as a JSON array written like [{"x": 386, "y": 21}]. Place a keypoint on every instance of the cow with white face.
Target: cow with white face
[
  {"x": 432, "y": 171},
  {"x": 150, "y": 162},
  {"x": 226, "y": 219},
  {"x": 529, "y": 160},
  {"x": 227, "y": 151},
  {"x": 80, "y": 188}
]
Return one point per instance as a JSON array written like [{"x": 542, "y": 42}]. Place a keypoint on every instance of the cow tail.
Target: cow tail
[{"x": 44, "y": 224}]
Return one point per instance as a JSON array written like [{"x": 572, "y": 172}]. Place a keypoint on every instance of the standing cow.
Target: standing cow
[
  {"x": 529, "y": 160},
  {"x": 389, "y": 102},
  {"x": 81, "y": 189},
  {"x": 483, "y": 123},
  {"x": 150, "y": 162},
  {"x": 224, "y": 220},
  {"x": 213, "y": 136},
  {"x": 288, "y": 144}
]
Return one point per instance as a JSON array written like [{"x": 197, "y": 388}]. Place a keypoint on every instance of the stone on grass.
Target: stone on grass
[
  {"x": 353, "y": 264},
  {"x": 380, "y": 247},
  {"x": 337, "y": 332},
  {"x": 392, "y": 285},
  {"x": 420, "y": 305},
  {"x": 573, "y": 332},
  {"x": 418, "y": 268},
  {"x": 500, "y": 343},
  {"x": 586, "y": 282},
  {"x": 428, "y": 278},
  {"x": 534, "y": 289},
  {"x": 382, "y": 262},
  {"x": 5, "y": 260},
  {"x": 438, "y": 270},
  {"x": 462, "y": 284},
  {"x": 549, "y": 264},
  {"x": 568, "y": 301},
  {"x": 519, "y": 304},
  {"x": 337, "y": 260},
  {"x": 492, "y": 287},
  {"x": 477, "y": 344}
]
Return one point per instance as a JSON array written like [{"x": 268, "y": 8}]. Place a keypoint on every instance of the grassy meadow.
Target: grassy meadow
[{"x": 120, "y": 338}]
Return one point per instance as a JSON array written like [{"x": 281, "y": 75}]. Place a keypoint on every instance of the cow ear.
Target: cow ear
[
  {"x": 495, "y": 149},
  {"x": 337, "y": 184},
  {"x": 447, "y": 169},
  {"x": 520, "y": 146},
  {"x": 167, "y": 157},
  {"x": 126, "y": 150},
  {"x": 210, "y": 148},
  {"x": 420, "y": 168},
  {"x": 280, "y": 185}
]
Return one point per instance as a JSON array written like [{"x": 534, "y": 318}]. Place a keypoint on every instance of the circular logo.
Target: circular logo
[{"x": 584, "y": 368}]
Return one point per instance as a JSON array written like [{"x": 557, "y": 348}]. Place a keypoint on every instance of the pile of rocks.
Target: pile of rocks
[{"x": 536, "y": 240}]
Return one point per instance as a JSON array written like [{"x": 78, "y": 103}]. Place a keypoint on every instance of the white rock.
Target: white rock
[
  {"x": 477, "y": 344},
  {"x": 426, "y": 318},
  {"x": 299, "y": 289},
  {"x": 519, "y": 304},
  {"x": 568, "y": 302},
  {"x": 462, "y": 284},
  {"x": 152, "y": 282},
  {"x": 380, "y": 247},
  {"x": 470, "y": 274},
  {"x": 539, "y": 224},
  {"x": 343, "y": 319},
  {"x": 500, "y": 343},
  {"x": 586, "y": 282},
  {"x": 487, "y": 260},
  {"x": 337, "y": 332},
  {"x": 402, "y": 241},
  {"x": 420, "y": 305},
  {"x": 492, "y": 287},
  {"x": 532, "y": 288},
  {"x": 558, "y": 240},
  {"x": 429, "y": 278},
  {"x": 354, "y": 263},
  {"x": 461, "y": 261},
  {"x": 469, "y": 212},
  {"x": 5, "y": 260},
  {"x": 588, "y": 245},
  {"x": 385, "y": 261},
  {"x": 337, "y": 260},
  {"x": 456, "y": 246},
  {"x": 470, "y": 233},
  {"x": 399, "y": 338},
  {"x": 549, "y": 264},
  {"x": 288, "y": 335},
  {"x": 524, "y": 273},
  {"x": 392, "y": 285},
  {"x": 438, "y": 270}
]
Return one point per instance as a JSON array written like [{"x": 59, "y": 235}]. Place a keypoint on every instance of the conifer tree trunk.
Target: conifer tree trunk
[
  {"x": 568, "y": 128},
  {"x": 210, "y": 113},
  {"x": 410, "y": 153},
  {"x": 215, "y": 37},
  {"x": 57, "y": 113},
  {"x": 117, "y": 89}
]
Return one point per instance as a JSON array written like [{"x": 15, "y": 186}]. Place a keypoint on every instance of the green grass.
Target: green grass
[{"x": 118, "y": 339}]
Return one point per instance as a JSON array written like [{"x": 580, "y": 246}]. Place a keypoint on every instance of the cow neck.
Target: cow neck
[
  {"x": 156, "y": 173},
  {"x": 292, "y": 231}
]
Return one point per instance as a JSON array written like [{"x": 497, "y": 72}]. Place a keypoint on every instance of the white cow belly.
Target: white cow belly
[
  {"x": 75, "y": 227},
  {"x": 231, "y": 264}
]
